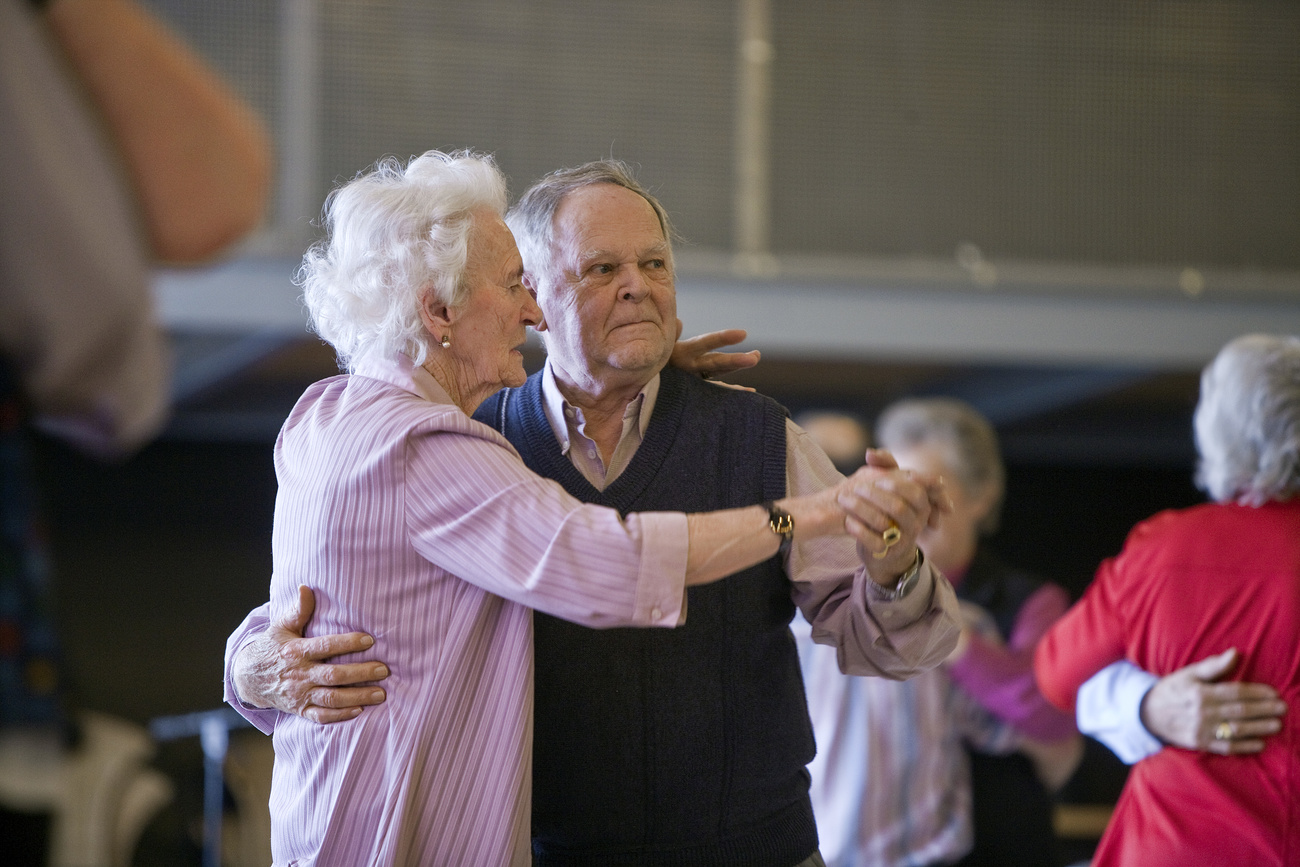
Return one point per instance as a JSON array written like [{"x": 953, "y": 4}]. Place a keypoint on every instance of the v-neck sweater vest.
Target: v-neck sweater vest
[{"x": 681, "y": 746}]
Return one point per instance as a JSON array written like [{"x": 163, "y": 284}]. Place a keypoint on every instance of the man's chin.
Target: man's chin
[{"x": 641, "y": 356}]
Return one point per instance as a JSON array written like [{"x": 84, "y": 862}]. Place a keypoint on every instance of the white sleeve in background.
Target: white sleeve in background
[{"x": 1108, "y": 709}]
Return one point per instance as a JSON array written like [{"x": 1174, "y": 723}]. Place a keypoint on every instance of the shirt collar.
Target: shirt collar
[
  {"x": 402, "y": 372},
  {"x": 557, "y": 408}
]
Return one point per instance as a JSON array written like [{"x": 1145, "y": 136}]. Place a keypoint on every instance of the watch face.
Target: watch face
[{"x": 781, "y": 522}]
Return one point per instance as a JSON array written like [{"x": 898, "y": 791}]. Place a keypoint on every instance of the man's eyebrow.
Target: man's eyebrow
[
  {"x": 597, "y": 254},
  {"x": 657, "y": 248},
  {"x": 594, "y": 253},
  {"x": 587, "y": 258}
]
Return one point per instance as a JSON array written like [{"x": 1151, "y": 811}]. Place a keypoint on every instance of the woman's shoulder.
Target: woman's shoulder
[
  {"x": 1220, "y": 533},
  {"x": 1192, "y": 520},
  {"x": 383, "y": 408}
]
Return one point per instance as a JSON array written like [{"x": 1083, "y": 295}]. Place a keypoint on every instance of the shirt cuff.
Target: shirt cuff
[
  {"x": 899, "y": 612},
  {"x": 1109, "y": 709},
  {"x": 661, "y": 584},
  {"x": 263, "y": 719}
]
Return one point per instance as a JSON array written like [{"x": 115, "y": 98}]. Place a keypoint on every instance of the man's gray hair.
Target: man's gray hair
[
  {"x": 1247, "y": 421},
  {"x": 532, "y": 219},
  {"x": 966, "y": 437},
  {"x": 391, "y": 233}
]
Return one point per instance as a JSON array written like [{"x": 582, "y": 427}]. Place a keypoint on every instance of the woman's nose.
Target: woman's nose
[{"x": 532, "y": 314}]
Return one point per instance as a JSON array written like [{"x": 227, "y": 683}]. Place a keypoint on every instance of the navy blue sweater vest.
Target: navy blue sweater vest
[{"x": 679, "y": 746}]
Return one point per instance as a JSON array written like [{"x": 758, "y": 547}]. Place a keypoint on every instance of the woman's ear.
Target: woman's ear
[{"x": 436, "y": 316}]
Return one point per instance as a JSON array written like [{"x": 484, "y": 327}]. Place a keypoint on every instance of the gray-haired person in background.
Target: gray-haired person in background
[
  {"x": 920, "y": 772},
  {"x": 1220, "y": 576}
]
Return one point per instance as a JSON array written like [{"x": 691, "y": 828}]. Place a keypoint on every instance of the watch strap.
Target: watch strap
[
  {"x": 780, "y": 522},
  {"x": 906, "y": 581}
]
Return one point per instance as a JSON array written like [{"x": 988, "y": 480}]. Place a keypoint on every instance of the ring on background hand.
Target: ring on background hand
[
  {"x": 1223, "y": 731},
  {"x": 890, "y": 537}
]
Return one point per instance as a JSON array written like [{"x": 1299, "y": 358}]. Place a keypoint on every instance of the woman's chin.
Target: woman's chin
[{"x": 516, "y": 377}]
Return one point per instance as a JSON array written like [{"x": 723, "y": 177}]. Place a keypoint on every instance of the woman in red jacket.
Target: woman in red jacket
[{"x": 1199, "y": 581}]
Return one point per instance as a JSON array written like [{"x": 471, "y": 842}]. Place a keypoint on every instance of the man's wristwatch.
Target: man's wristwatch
[
  {"x": 906, "y": 581},
  {"x": 780, "y": 522}
]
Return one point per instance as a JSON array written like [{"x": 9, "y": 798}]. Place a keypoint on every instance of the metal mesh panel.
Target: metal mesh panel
[
  {"x": 1082, "y": 132},
  {"x": 541, "y": 85},
  {"x": 1086, "y": 132}
]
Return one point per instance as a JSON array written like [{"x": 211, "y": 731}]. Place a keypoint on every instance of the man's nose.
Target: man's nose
[{"x": 633, "y": 285}]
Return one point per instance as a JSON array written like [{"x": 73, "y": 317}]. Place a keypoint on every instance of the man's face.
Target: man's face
[{"x": 608, "y": 296}]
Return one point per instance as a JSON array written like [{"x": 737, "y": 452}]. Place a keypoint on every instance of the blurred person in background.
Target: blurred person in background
[
  {"x": 956, "y": 765},
  {"x": 1006, "y": 610},
  {"x": 1205, "y": 586},
  {"x": 121, "y": 150}
]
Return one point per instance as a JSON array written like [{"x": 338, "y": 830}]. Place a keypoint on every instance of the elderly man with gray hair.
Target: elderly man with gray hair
[{"x": 689, "y": 750}]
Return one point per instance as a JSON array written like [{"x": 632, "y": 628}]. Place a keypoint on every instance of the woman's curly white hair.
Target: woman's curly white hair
[{"x": 391, "y": 234}]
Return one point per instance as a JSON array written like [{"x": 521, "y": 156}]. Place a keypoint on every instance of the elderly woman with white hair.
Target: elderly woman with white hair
[
  {"x": 1201, "y": 581},
  {"x": 423, "y": 528}
]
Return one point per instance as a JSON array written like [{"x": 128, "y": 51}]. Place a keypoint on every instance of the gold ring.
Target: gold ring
[
  {"x": 1224, "y": 731},
  {"x": 890, "y": 537}
]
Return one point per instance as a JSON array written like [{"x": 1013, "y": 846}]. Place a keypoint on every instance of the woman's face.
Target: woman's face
[{"x": 493, "y": 322}]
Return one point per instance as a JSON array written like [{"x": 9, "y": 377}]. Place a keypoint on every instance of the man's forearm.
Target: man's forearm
[{"x": 874, "y": 634}]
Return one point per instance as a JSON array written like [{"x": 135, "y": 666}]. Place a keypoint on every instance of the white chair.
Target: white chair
[{"x": 101, "y": 795}]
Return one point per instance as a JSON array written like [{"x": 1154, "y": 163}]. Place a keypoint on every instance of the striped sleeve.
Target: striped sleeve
[{"x": 474, "y": 509}]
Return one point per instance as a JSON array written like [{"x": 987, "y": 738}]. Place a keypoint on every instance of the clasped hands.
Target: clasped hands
[{"x": 885, "y": 508}]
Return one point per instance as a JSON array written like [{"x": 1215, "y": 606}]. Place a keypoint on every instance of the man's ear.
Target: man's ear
[
  {"x": 436, "y": 316},
  {"x": 530, "y": 283}
]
